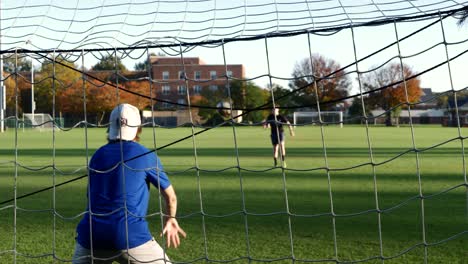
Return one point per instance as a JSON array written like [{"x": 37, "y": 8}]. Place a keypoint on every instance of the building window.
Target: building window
[
  {"x": 165, "y": 105},
  {"x": 197, "y": 89},
  {"x": 181, "y": 75},
  {"x": 181, "y": 89},
  {"x": 165, "y": 75},
  {"x": 229, "y": 73},
  {"x": 181, "y": 101},
  {"x": 213, "y": 75},
  {"x": 213, "y": 87},
  {"x": 197, "y": 75},
  {"x": 166, "y": 89}
]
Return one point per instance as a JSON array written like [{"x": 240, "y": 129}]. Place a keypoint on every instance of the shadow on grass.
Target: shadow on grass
[
  {"x": 268, "y": 228},
  {"x": 243, "y": 151}
]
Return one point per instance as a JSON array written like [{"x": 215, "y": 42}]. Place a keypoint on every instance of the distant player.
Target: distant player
[
  {"x": 275, "y": 122},
  {"x": 120, "y": 174}
]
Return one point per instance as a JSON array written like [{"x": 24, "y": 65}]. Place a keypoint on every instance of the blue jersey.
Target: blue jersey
[{"x": 114, "y": 185}]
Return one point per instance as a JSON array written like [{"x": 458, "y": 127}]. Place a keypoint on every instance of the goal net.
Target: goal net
[
  {"x": 314, "y": 118},
  {"x": 356, "y": 194},
  {"x": 40, "y": 121}
]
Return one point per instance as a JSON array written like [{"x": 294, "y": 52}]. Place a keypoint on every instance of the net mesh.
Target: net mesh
[
  {"x": 83, "y": 25},
  {"x": 301, "y": 217}
]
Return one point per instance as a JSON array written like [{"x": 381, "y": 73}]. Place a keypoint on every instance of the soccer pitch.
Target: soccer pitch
[{"x": 256, "y": 211}]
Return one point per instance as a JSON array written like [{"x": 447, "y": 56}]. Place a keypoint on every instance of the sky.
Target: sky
[
  {"x": 284, "y": 53},
  {"x": 49, "y": 24}
]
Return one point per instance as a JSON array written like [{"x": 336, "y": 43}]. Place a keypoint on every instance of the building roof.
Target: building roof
[
  {"x": 414, "y": 113},
  {"x": 162, "y": 60}
]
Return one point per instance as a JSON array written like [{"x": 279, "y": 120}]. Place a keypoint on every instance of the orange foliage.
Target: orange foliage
[
  {"x": 102, "y": 98},
  {"x": 408, "y": 91},
  {"x": 141, "y": 98},
  {"x": 15, "y": 85}
]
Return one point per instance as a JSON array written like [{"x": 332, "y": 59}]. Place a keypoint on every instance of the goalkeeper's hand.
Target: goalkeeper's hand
[{"x": 172, "y": 230}]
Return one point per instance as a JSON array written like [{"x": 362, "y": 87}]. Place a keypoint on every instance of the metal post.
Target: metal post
[
  {"x": 33, "y": 103},
  {"x": 2, "y": 97}
]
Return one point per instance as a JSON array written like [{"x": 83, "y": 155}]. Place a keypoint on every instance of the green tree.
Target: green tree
[
  {"x": 143, "y": 65},
  {"x": 355, "y": 111},
  {"x": 464, "y": 16},
  {"x": 245, "y": 95},
  {"x": 19, "y": 62},
  {"x": 248, "y": 95},
  {"x": 448, "y": 102},
  {"x": 109, "y": 63},
  {"x": 284, "y": 98},
  {"x": 209, "y": 98}
]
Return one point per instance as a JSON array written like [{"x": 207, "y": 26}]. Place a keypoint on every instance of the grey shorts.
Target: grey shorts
[{"x": 149, "y": 252}]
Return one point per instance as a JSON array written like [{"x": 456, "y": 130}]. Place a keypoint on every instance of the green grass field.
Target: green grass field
[{"x": 232, "y": 214}]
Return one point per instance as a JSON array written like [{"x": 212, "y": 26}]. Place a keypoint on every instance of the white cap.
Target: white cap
[{"x": 124, "y": 122}]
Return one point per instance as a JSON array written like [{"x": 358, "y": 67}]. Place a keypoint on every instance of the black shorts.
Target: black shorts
[{"x": 275, "y": 137}]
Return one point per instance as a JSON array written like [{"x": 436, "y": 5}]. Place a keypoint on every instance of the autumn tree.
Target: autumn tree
[
  {"x": 140, "y": 94},
  {"x": 391, "y": 86},
  {"x": 55, "y": 77},
  {"x": 17, "y": 85},
  {"x": 332, "y": 82}
]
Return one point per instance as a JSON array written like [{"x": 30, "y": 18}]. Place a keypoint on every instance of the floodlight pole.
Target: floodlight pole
[{"x": 33, "y": 103}]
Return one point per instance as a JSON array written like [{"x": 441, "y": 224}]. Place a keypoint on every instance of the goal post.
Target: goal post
[
  {"x": 326, "y": 117},
  {"x": 41, "y": 121}
]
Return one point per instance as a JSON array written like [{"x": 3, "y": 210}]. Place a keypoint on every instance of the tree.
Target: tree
[
  {"x": 448, "y": 102},
  {"x": 463, "y": 17},
  {"x": 16, "y": 85},
  {"x": 14, "y": 61},
  {"x": 55, "y": 78},
  {"x": 388, "y": 90},
  {"x": 282, "y": 97},
  {"x": 139, "y": 87},
  {"x": 244, "y": 95},
  {"x": 334, "y": 85},
  {"x": 101, "y": 99},
  {"x": 355, "y": 111},
  {"x": 209, "y": 98},
  {"x": 248, "y": 95},
  {"x": 143, "y": 65},
  {"x": 109, "y": 63}
]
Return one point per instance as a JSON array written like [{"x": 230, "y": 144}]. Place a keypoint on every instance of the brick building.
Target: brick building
[{"x": 169, "y": 77}]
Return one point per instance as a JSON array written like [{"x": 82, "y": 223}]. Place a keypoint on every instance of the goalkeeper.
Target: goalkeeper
[
  {"x": 114, "y": 227},
  {"x": 275, "y": 122}
]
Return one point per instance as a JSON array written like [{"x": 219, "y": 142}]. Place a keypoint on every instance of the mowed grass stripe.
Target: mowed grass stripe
[{"x": 261, "y": 206}]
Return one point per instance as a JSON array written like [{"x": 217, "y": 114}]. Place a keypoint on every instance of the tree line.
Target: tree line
[{"x": 315, "y": 82}]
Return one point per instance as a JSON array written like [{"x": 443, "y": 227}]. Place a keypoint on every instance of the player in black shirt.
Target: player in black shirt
[{"x": 275, "y": 122}]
